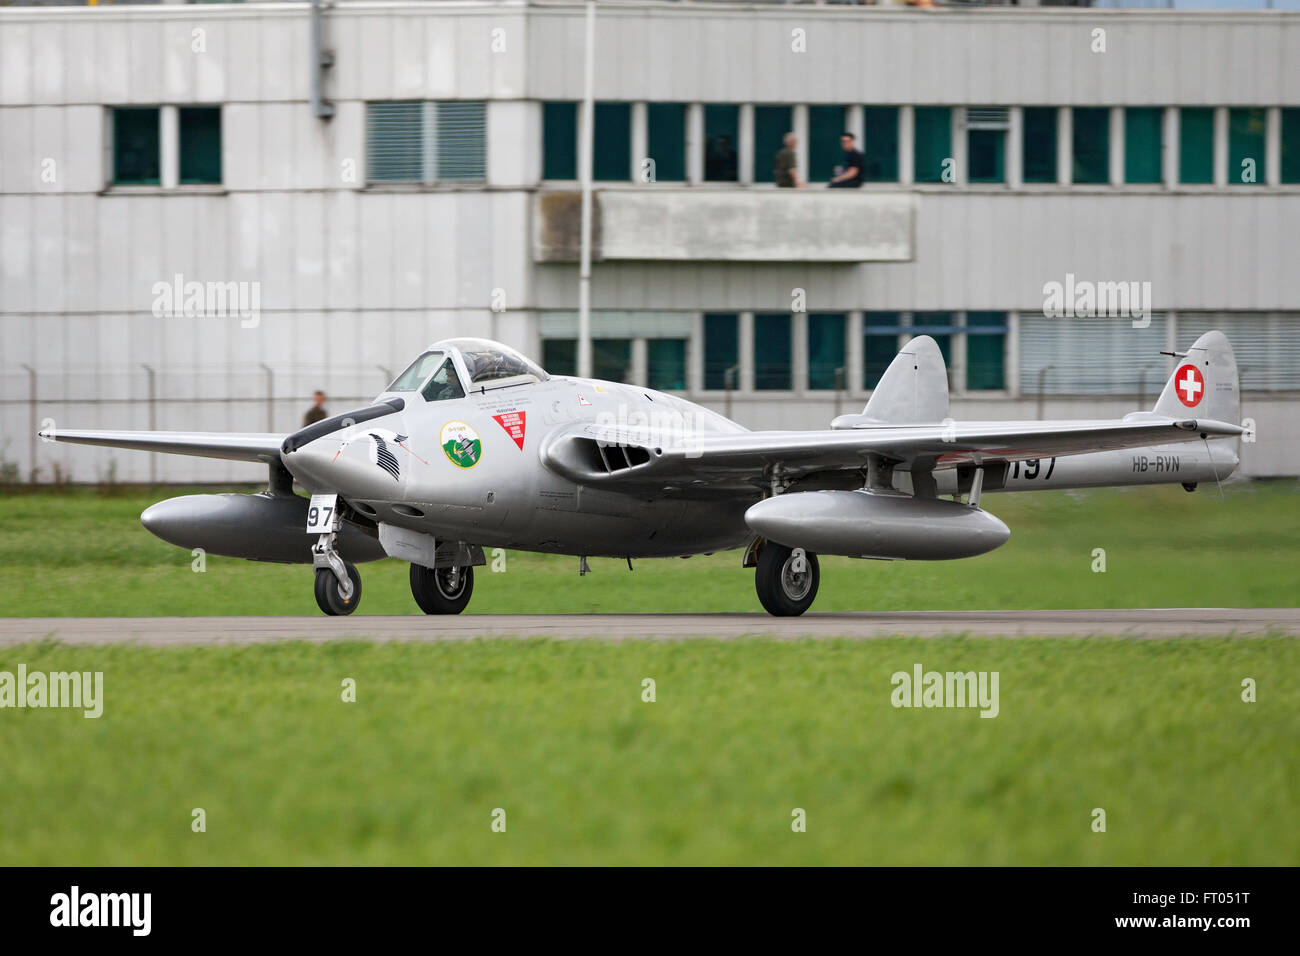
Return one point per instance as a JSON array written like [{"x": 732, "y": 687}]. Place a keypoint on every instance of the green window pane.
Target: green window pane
[
  {"x": 985, "y": 158},
  {"x": 135, "y": 147},
  {"x": 721, "y": 349},
  {"x": 1142, "y": 140},
  {"x": 200, "y": 146},
  {"x": 1091, "y": 142},
  {"x": 879, "y": 344},
  {"x": 826, "y": 350},
  {"x": 611, "y": 359},
  {"x": 986, "y": 347},
  {"x": 559, "y": 140},
  {"x": 825, "y": 127},
  {"x": 1196, "y": 145},
  {"x": 666, "y": 124},
  {"x": 666, "y": 364},
  {"x": 772, "y": 365},
  {"x": 880, "y": 143},
  {"x": 1039, "y": 137},
  {"x": 721, "y": 123},
  {"x": 1291, "y": 145},
  {"x": 560, "y": 356},
  {"x": 612, "y": 149},
  {"x": 771, "y": 123},
  {"x": 933, "y": 142},
  {"x": 1246, "y": 146}
]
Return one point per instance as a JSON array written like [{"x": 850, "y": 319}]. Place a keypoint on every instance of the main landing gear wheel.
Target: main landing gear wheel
[
  {"x": 786, "y": 579},
  {"x": 329, "y": 590},
  {"x": 441, "y": 590}
]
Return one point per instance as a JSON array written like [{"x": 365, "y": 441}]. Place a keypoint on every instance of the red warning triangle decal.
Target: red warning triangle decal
[{"x": 514, "y": 423}]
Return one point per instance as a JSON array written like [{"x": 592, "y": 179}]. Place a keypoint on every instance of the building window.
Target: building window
[
  {"x": 1196, "y": 145},
  {"x": 1291, "y": 145},
  {"x": 612, "y": 148},
  {"x": 986, "y": 350},
  {"x": 1092, "y": 356},
  {"x": 771, "y": 123},
  {"x": 986, "y": 144},
  {"x": 879, "y": 344},
  {"x": 1038, "y": 135},
  {"x": 826, "y": 350},
  {"x": 136, "y": 155},
  {"x": 880, "y": 143},
  {"x": 1143, "y": 137},
  {"x": 666, "y": 138},
  {"x": 461, "y": 141},
  {"x": 721, "y": 123},
  {"x": 560, "y": 356},
  {"x": 559, "y": 140},
  {"x": 200, "y": 144},
  {"x": 1091, "y": 142},
  {"x": 825, "y": 127},
  {"x": 721, "y": 350},
  {"x": 772, "y": 352},
  {"x": 417, "y": 142},
  {"x": 1246, "y": 146},
  {"x": 611, "y": 359},
  {"x": 933, "y": 142},
  {"x": 666, "y": 364}
]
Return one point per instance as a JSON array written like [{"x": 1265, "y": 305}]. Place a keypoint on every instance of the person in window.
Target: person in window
[
  {"x": 317, "y": 412},
  {"x": 851, "y": 177},
  {"x": 785, "y": 169}
]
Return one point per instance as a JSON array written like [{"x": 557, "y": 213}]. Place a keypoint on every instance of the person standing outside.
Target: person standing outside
[
  {"x": 851, "y": 177},
  {"x": 785, "y": 167},
  {"x": 317, "y": 412}
]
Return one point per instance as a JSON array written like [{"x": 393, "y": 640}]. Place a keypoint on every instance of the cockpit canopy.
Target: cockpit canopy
[{"x": 453, "y": 367}]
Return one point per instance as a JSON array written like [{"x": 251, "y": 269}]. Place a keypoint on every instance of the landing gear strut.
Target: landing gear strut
[
  {"x": 338, "y": 583},
  {"x": 442, "y": 590},
  {"x": 786, "y": 579}
]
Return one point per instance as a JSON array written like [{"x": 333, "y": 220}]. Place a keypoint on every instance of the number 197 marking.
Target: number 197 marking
[{"x": 1032, "y": 468}]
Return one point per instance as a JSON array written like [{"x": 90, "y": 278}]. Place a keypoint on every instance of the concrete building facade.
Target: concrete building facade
[{"x": 252, "y": 251}]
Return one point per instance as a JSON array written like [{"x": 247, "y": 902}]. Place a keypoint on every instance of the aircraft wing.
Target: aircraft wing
[
  {"x": 260, "y": 447},
  {"x": 598, "y": 455}
]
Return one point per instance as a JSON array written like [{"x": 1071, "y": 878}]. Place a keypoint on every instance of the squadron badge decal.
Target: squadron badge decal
[{"x": 461, "y": 443}]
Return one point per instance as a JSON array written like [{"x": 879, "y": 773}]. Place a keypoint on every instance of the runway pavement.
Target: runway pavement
[{"x": 1142, "y": 623}]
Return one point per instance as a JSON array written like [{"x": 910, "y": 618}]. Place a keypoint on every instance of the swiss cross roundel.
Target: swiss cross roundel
[{"x": 1189, "y": 385}]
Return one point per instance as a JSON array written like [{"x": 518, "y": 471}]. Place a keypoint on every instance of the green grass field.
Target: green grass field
[
  {"x": 741, "y": 734},
  {"x": 84, "y": 554}
]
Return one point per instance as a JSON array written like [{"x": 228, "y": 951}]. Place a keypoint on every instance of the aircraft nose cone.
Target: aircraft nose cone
[{"x": 360, "y": 463}]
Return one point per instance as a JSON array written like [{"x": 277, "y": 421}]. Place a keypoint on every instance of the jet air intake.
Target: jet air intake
[{"x": 865, "y": 524}]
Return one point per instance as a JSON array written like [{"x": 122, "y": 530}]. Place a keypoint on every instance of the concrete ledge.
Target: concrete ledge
[{"x": 752, "y": 225}]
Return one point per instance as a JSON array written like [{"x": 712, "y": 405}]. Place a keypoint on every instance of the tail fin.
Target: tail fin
[
  {"x": 1204, "y": 383},
  {"x": 914, "y": 389}
]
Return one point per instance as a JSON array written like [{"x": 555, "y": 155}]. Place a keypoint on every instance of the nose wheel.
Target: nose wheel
[
  {"x": 332, "y": 595},
  {"x": 786, "y": 579},
  {"x": 442, "y": 590}
]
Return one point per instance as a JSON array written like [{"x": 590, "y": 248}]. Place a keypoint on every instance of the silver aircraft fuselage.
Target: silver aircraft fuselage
[{"x": 501, "y": 495}]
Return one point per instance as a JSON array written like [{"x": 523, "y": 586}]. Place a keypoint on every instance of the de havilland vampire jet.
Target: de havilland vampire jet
[{"x": 474, "y": 446}]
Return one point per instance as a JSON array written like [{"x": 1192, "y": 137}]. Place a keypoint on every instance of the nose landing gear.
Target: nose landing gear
[
  {"x": 338, "y": 583},
  {"x": 786, "y": 579}
]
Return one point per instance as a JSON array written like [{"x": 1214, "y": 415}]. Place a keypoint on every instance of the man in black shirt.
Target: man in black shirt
[{"x": 851, "y": 177}]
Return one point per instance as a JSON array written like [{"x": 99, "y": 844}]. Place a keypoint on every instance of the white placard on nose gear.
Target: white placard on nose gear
[{"x": 320, "y": 514}]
